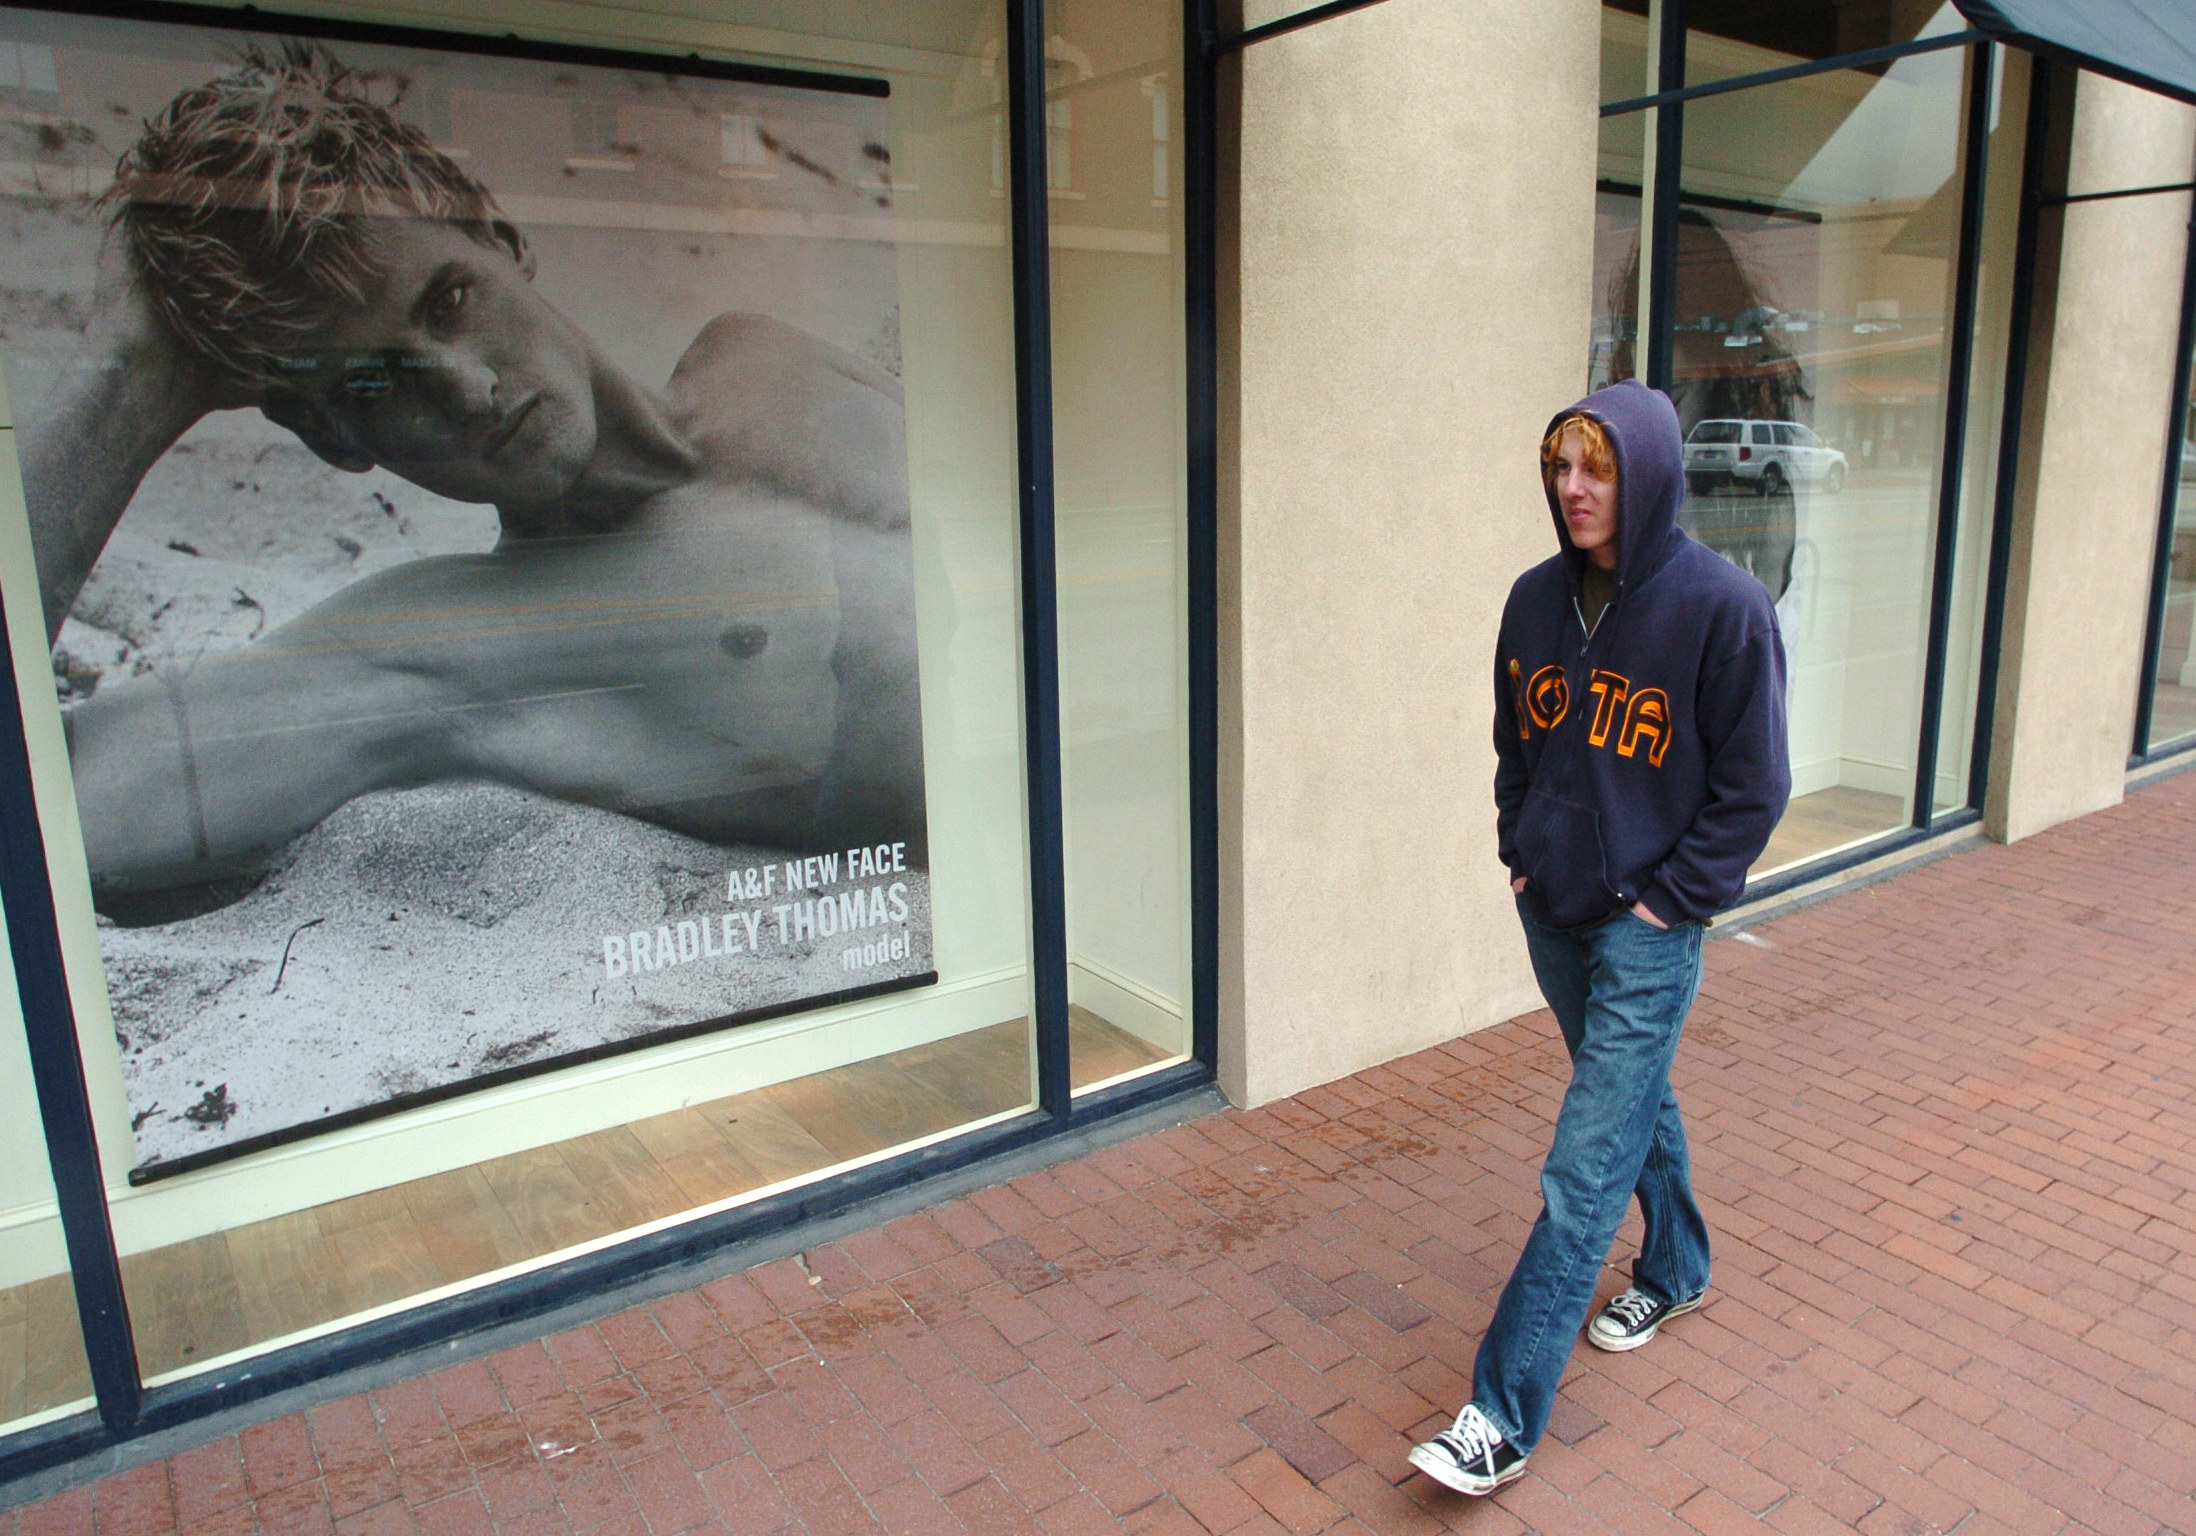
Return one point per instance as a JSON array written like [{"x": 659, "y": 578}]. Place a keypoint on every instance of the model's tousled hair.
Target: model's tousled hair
[
  {"x": 1594, "y": 447},
  {"x": 247, "y": 206}
]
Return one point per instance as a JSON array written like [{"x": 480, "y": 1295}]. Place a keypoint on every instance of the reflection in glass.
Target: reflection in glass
[
  {"x": 1727, "y": 38},
  {"x": 1614, "y": 346},
  {"x": 1819, "y": 222},
  {"x": 1623, "y": 51}
]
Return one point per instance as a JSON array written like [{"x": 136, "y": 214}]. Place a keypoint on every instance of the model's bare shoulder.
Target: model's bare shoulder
[
  {"x": 772, "y": 405},
  {"x": 756, "y": 344}
]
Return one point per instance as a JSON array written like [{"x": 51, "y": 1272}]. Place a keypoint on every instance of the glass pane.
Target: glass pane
[
  {"x": 1115, "y": 159},
  {"x": 1985, "y": 417},
  {"x": 1819, "y": 222},
  {"x": 1615, "y": 334},
  {"x": 42, "y": 1369},
  {"x": 2173, "y": 701},
  {"x": 698, "y": 485}
]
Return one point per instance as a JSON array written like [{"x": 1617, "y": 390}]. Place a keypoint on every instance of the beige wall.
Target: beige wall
[
  {"x": 1415, "y": 228},
  {"x": 2109, "y": 289}
]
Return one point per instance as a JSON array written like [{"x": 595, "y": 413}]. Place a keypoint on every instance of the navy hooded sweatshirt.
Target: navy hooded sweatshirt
[{"x": 1645, "y": 761}]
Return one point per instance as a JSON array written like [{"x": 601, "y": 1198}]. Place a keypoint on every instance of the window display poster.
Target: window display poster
[{"x": 469, "y": 496}]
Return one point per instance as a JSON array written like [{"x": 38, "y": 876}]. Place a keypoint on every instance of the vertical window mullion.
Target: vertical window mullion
[
  {"x": 1200, "y": 177},
  {"x": 1028, "y": 218}
]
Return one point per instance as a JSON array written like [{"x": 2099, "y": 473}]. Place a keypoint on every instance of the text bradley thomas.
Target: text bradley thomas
[{"x": 801, "y": 919}]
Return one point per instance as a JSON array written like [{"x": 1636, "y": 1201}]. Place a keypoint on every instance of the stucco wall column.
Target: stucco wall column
[
  {"x": 2086, "y": 513},
  {"x": 1408, "y": 303}
]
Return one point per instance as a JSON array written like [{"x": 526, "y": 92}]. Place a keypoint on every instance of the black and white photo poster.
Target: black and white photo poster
[{"x": 470, "y": 504}]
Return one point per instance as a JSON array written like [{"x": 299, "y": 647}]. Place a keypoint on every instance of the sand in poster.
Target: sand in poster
[{"x": 470, "y": 505}]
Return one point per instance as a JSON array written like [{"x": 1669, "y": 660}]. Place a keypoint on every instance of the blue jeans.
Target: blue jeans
[{"x": 1620, "y": 991}]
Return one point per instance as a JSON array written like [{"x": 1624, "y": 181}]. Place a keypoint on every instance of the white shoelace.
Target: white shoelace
[
  {"x": 1472, "y": 1437},
  {"x": 1634, "y": 1307}
]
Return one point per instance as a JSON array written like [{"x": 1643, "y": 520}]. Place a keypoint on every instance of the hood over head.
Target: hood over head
[{"x": 1650, "y": 452}]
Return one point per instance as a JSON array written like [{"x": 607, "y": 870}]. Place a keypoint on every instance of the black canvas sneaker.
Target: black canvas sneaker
[
  {"x": 1470, "y": 1456},
  {"x": 1631, "y": 1319}
]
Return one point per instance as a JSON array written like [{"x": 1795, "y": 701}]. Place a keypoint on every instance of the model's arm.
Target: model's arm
[
  {"x": 1741, "y": 714},
  {"x": 593, "y": 670},
  {"x": 123, "y": 400},
  {"x": 195, "y": 772}
]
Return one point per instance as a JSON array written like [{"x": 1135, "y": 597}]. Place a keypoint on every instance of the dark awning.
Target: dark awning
[{"x": 2151, "y": 43}]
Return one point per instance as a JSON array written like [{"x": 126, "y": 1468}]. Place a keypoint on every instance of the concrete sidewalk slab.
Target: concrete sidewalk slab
[{"x": 1944, "y": 1127}]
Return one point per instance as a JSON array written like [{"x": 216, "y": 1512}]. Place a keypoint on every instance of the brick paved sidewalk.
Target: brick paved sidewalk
[{"x": 1945, "y": 1128}]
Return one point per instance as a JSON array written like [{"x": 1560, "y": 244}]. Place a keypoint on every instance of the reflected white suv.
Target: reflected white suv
[{"x": 1765, "y": 456}]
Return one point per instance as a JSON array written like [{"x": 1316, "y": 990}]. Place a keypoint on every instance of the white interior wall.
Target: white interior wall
[
  {"x": 1121, "y": 530},
  {"x": 1817, "y": 618}
]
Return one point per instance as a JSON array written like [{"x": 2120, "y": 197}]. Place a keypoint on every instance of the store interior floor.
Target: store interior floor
[
  {"x": 196, "y": 1301},
  {"x": 1828, "y": 819}
]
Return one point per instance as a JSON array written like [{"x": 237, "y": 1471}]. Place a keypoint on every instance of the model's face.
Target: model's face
[
  {"x": 453, "y": 373},
  {"x": 1589, "y": 503}
]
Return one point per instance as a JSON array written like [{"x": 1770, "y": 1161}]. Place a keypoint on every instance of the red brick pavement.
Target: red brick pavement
[{"x": 1945, "y": 1128}]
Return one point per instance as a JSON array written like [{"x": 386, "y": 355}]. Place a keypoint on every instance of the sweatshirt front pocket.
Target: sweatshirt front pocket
[{"x": 1559, "y": 848}]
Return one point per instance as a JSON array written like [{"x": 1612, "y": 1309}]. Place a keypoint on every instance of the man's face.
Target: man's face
[
  {"x": 453, "y": 373},
  {"x": 1589, "y": 502}
]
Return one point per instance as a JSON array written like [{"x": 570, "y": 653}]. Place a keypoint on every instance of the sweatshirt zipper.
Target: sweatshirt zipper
[{"x": 1579, "y": 608}]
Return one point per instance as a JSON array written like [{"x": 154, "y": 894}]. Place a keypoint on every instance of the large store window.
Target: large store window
[
  {"x": 712, "y": 875},
  {"x": 1816, "y": 250},
  {"x": 1117, "y": 307}
]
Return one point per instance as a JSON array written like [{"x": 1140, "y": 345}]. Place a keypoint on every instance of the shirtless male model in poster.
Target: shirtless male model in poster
[
  {"x": 424, "y": 736},
  {"x": 700, "y": 609}
]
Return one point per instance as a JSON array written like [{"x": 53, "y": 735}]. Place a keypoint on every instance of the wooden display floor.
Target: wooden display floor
[
  {"x": 204, "y": 1298},
  {"x": 1829, "y": 818}
]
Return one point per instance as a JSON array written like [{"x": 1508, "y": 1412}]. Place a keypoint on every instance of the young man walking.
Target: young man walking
[{"x": 1640, "y": 732}]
